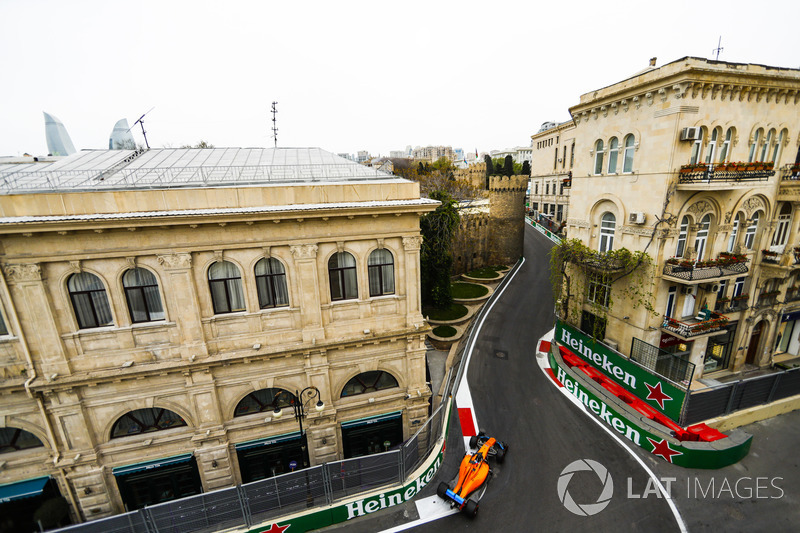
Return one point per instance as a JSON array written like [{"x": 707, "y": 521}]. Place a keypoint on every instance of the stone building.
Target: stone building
[
  {"x": 158, "y": 306},
  {"x": 696, "y": 163},
  {"x": 551, "y": 170}
]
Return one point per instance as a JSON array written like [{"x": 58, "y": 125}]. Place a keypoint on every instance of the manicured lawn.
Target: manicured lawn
[
  {"x": 444, "y": 331},
  {"x": 485, "y": 272},
  {"x": 453, "y": 312},
  {"x": 468, "y": 290}
]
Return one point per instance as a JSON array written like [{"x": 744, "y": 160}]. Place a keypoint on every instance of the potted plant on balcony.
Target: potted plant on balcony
[
  {"x": 672, "y": 261},
  {"x": 769, "y": 165},
  {"x": 743, "y": 296},
  {"x": 769, "y": 254},
  {"x": 794, "y": 168},
  {"x": 723, "y": 300},
  {"x": 686, "y": 169},
  {"x": 686, "y": 264}
]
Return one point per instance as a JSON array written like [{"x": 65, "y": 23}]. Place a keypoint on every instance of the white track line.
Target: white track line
[
  {"x": 544, "y": 364},
  {"x": 434, "y": 508}
]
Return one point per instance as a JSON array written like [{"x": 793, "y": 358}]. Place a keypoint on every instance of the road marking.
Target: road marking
[
  {"x": 544, "y": 364},
  {"x": 466, "y": 410},
  {"x": 429, "y": 509}
]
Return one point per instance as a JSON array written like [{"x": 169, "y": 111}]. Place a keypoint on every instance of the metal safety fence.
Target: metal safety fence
[
  {"x": 663, "y": 363},
  {"x": 730, "y": 397},
  {"x": 267, "y": 499}
]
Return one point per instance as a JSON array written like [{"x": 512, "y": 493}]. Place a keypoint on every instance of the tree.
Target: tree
[
  {"x": 526, "y": 168},
  {"x": 201, "y": 144},
  {"x": 436, "y": 261},
  {"x": 508, "y": 166},
  {"x": 489, "y": 168}
]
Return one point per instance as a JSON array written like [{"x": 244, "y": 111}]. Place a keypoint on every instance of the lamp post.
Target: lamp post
[{"x": 301, "y": 398}]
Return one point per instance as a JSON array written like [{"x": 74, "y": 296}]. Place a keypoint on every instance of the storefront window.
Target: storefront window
[{"x": 718, "y": 352}]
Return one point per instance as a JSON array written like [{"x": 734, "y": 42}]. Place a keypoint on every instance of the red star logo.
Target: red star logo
[
  {"x": 275, "y": 528},
  {"x": 655, "y": 393},
  {"x": 662, "y": 448}
]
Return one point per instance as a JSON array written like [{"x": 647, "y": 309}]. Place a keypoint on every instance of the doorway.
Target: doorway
[{"x": 752, "y": 349}]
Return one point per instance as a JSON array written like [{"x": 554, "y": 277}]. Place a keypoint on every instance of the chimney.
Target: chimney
[{"x": 653, "y": 61}]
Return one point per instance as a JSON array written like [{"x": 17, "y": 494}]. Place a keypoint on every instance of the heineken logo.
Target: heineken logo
[
  {"x": 601, "y": 360},
  {"x": 656, "y": 394},
  {"x": 382, "y": 501}
]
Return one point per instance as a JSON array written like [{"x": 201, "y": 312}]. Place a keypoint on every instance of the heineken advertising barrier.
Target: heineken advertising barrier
[
  {"x": 660, "y": 393},
  {"x": 364, "y": 505},
  {"x": 688, "y": 454}
]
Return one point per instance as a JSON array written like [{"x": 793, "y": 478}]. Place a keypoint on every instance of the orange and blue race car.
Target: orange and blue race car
[{"x": 466, "y": 490}]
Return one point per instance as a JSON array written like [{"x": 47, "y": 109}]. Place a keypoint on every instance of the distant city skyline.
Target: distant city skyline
[{"x": 350, "y": 77}]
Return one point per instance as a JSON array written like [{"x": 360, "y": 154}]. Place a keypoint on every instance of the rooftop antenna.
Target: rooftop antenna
[
  {"x": 719, "y": 48},
  {"x": 140, "y": 121},
  {"x": 274, "y": 123}
]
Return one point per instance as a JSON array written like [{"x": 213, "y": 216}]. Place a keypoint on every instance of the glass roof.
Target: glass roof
[{"x": 182, "y": 167}]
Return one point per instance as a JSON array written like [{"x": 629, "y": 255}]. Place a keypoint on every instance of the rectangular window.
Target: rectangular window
[
  {"x": 547, "y": 188},
  {"x": 599, "y": 290},
  {"x": 671, "y": 292},
  {"x": 3, "y": 328},
  {"x": 738, "y": 287},
  {"x": 560, "y": 212}
]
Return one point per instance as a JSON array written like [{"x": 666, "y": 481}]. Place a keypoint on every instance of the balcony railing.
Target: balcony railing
[
  {"x": 731, "y": 306},
  {"x": 792, "y": 295},
  {"x": 695, "y": 329},
  {"x": 725, "y": 172},
  {"x": 728, "y": 265},
  {"x": 791, "y": 173}
]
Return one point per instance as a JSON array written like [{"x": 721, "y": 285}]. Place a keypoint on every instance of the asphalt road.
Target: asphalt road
[{"x": 515, "y": 402}]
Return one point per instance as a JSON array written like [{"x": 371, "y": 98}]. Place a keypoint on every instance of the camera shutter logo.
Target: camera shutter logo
[{"x": 586, "y": 509}]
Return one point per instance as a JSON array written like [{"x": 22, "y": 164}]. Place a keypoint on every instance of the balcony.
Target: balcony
[
  {"x": 693, "y": 272},
  {"x": 733, "y": 305},
  {"x": 767, "y": 299},
  {"x": 780, "y": 264},
  {"x": 789, "y": 190},
  {"x": 792, "y": 295},
  {"x": 724, "y": 175},
  {"x": 714, "y": 324}
]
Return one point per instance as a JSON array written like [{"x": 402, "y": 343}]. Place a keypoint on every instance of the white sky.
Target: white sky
[{"x": 348, "y": 75}]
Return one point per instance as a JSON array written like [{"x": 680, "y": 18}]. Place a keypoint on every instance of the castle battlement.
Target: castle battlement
[{"x": 508, "y": 183}]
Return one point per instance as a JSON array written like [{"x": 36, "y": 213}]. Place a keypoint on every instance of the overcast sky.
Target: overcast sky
[{"x": 348, "y": 76}]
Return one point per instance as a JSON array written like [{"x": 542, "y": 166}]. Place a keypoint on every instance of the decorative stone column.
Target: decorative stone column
[
  {"x": 184, "y": 304},
  {"x": 413, "y": 280},
  {"x": 305, "y": 260}
]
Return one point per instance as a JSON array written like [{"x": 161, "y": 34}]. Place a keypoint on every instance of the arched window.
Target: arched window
[
  {"x": 225, "y": 283},
  {"x": 141, "y": 293},
  {"x": 782, "y": 231},
  {"x": 15, "y": 439},
  {"x": 598, "y": 157},
  {"x": 342, "y": 273},
  {"x": 716, "y": 133},
  {"x": 697, "y": 148},
  {"x": 89, "y": 300},
  {"x": 702, "y": 237},
  {"x": 753, "y": 147},
  {"x": 145, "y": 421},
  {"x": 608, "y": 226},
  {"x": 613, "y": 152},
  {"x": 750, "y": 234},
  {"x": 627, "y": 161},
  {"x": 271, "y": 283},
  {"x": 724, "y": 150},
  {"x": 737, "y": 223},
  {"x": 776, "y": 149},
  {"x": 380, "y": 266},
  {"x": 767, "y": 144},
  {"x": 684, "y": 231},
  {"x": 373, "y": 381},
  {"x": 263, "y": 401}
]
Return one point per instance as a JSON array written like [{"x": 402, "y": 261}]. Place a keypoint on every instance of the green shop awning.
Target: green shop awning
[
  {"x": 371, "y": 420},
  {"x": 22, "y": 489},
  {"x": 268, "y": 441},
  {"x": 150, "y": 465}
]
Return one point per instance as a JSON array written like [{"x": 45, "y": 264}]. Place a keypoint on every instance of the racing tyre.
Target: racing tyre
[
  {"x": 473, "y": 441},
  {"x": 441, "y": 490},
  {"x": 471, "y": 508},
  {"x": 500, "y": 456}
]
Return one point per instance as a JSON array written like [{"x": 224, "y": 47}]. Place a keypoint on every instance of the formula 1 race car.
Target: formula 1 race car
[{"x": 473, "y": 474}]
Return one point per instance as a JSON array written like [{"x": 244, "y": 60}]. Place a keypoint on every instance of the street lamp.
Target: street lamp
[{"x": 302, "y": 398}]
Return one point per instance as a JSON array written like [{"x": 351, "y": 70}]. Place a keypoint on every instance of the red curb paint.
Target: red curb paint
[{"x": 465, "y": 417}]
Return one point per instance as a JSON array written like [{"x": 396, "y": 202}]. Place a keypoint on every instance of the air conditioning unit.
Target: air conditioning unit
[
  {"x": 686, "y": 290},
  {"x": 636, "y": 218},
  {"x": 690, "y": 134}
]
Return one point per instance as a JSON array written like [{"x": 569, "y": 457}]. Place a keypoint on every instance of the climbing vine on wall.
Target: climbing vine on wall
[{"x": 581, "y": 276}]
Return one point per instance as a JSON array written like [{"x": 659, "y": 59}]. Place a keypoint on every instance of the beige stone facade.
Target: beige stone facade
[
  {"x": 69, "y": 384},
  {"x": 551, "y": 170},
  {"x": 632, "y": 187}
]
